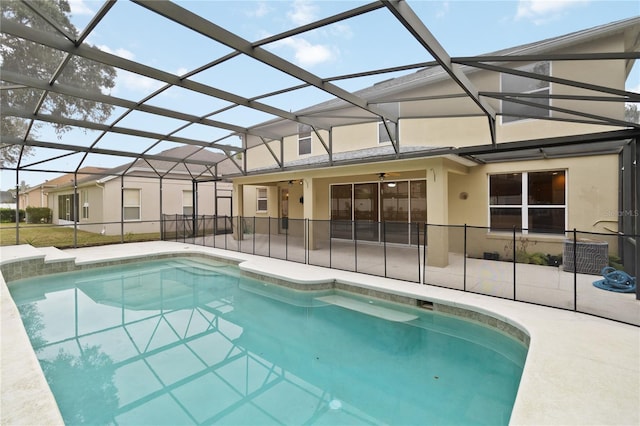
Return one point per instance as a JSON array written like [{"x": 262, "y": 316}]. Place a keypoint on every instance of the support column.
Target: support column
[
  {"x": 437, "y": 214},
  {"x": 309, "y": 209},
  {"x": 238, "y": 210}
]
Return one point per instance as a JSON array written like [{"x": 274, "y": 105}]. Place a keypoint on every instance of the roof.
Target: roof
[
  {"x": 67, "y": 178},
  {"x": 149, "y": 168},
  {"x": 206, "y": 158},
  {"x": 7, "y": 197},
  {"x": 184, "y": 162}
]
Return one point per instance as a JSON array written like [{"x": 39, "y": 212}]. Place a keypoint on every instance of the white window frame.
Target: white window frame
[
  {"x": 262, "y": 194},
  {"x": 126, "y": 205},
  {"x": 84, "y": 202},
  {"x": 383, "y": 135},
  {"x": 529, "y": 68},
  {"x": 524, "y": 205},
  {"x": 187, "y": 201},
  {"x": 304, "y": 137}
]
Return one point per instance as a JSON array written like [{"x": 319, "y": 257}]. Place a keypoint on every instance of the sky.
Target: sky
[{"x": 463, "y": 28}]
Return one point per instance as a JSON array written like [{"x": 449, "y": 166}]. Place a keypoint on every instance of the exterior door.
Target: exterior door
[
  {"x": 284, "y": 210},
  {"x": 341, "y": 213},
  {"x": 365, "y": 211}
]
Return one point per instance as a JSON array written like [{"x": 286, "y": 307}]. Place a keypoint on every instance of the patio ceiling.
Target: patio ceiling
[{"x": 224, "y": 134}]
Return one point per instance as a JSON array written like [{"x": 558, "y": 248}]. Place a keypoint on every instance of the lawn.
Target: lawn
[{"x": 62, "y": 236}]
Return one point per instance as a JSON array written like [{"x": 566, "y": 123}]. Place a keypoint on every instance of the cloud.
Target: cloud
[
  {"x": 307, "y": 54},
  {"x": 341, "y": 30},
  {"x": 259, "y": 11},
  {"x": 542, "y": 11},
  {"x": 123, "y": 53},
  {"x": 443, "y": 11},
  {"x": 130, "y": 81},
  {"x": 303, "y": 12},
  {"x": 78, "y": 7}
]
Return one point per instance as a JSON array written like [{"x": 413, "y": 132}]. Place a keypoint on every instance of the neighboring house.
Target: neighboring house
[
  {"x": 36, "y": 196},
  {"x": 7, "y": 200},
  {"x": 439, "y": 170},
  {"x": 133, "y": 198}
]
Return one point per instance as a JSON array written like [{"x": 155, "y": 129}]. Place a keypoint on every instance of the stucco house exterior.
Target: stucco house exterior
[
  {"x": 7, "y": 200},
  {"x": 36, "y": 196},
  {"x": 133, "y": 198},
  {"x": 442, "y": 163}
]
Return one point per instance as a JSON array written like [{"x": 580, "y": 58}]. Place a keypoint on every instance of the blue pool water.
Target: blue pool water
[{"x": 187, "y": 341}]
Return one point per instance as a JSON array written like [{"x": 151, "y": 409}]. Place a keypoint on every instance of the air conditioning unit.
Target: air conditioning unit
[{"x": 591, "y": 256}]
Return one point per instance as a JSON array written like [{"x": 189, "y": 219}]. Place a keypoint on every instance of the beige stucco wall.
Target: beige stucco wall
[
  {"x": 591, "y": 186},
  {"x": 259, "y": 156},
  {"x": 445, "y": 132},
  {"x": 322, "y": 179},
  {"x": 251, "y": 201},
  {"x": 358, "y": 136},
  {"x": 36, "y": 197},
  {"x": 95, "y": 206},
  {"x": 592, "y": 203},
  {"x": 105, "y": 203},
  {"x": 592, "y": 182},
  {"x": 473, "y": 128}
]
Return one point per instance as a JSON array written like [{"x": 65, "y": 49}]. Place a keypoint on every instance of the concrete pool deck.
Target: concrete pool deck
[{"x": 579, "y": 370}]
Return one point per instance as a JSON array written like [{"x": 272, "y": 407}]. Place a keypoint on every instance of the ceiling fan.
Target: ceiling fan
[{"x": 384, "y": 175}]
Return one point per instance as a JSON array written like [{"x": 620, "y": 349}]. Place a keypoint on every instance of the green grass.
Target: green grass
[{"x": 62, "y": 237}]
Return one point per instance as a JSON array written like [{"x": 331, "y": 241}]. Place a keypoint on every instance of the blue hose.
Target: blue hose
[{"x": 615, "y": 280}]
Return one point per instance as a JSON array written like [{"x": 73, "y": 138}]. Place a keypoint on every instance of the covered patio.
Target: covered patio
[{"x": 548, "y": 285}]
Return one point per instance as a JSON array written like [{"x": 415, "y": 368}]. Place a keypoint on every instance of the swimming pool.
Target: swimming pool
[{"x": 187, "y": 341}]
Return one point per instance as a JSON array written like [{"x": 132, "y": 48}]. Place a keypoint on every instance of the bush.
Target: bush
[
  {"x": 38, "y": 215},
  {"x": 9, "y": 215},
  {"x": 615, "y": 262}
]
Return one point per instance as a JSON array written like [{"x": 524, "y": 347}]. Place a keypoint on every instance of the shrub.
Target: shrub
[
  {"x": 615, "y": 262},
  {"x": 538, "y": 258},
  {"x": 9, "y": 215},
  {"x": 38, "y": 215}
]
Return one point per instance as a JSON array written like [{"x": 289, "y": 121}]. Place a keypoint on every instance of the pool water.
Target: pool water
[{"x": 186, "y": 341}]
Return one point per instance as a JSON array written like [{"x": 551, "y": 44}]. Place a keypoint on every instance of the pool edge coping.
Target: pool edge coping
[{"x": 538, "y": 400}]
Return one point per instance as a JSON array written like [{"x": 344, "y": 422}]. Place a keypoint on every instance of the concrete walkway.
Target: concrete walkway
[
  {"x": 545, "y": 285},
  {"x": 580, "y": 369}
]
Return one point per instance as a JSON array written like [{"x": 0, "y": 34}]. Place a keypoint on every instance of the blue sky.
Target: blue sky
[{"x": 464, "y": 28}]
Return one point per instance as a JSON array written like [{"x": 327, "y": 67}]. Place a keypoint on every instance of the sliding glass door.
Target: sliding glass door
[
  {"x": 341, "y": 213},
  {"x": 365, "y": 213},
  {"x": 365, "y": 210}
]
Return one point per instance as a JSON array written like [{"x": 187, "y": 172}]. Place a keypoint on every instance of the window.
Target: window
[
  {"x": 515, "y": 84},
  {"x": 261, "y": 202},
  {"x": 304, "y": 139},
  {"x": 533, "y": 201},
  {"x": 394, "y": 201},
  {"x": 84, "y": 200},
  {"x": 131, "y": 205},
  {"x": 358, "y": 208},
  {"x": 67, "y": 208},
  {"x": 383, "y": 134},
  {"x": 187, "y": 203}
]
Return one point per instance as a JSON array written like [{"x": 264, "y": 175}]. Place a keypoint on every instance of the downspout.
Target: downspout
[
  {"x": 17, "y": 208},
  {"x": 75, "y": 209},
  {"x": 121, "y": 209},
  {"x": 162, "y": 222},
  {"x": 215, "y": 198},
  {"x": 101, "y": 186},
  {"x": 194, "y": 208}
]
